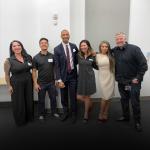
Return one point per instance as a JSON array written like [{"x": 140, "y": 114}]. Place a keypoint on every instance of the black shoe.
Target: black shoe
[
  {"x": 64, "y": 117},
  {"x": 123, "y": 119},
  {"x": 85, "y": 120},
  {"x": 73, "y": 119},
  {"x": 102, "y": 120},
  {"x": 138, "y": 127},
  {"x": 41, "y": 118}
]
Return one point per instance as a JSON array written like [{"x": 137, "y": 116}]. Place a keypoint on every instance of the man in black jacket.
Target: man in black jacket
[{"x": 131, "y": 66}]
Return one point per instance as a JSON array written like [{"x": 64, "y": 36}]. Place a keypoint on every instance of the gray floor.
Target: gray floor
[{"x": 57, "y": 134}]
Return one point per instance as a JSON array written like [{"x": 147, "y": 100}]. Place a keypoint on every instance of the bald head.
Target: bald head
[{"x": 65, "y": 36}]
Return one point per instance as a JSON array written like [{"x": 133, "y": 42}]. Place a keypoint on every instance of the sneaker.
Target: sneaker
[
  {"x": 138, "y": 127},
  {"x": 56, "y": 115}
]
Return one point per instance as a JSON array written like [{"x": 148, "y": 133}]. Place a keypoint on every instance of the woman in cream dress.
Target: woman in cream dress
[{"x": 106, "y": 77}]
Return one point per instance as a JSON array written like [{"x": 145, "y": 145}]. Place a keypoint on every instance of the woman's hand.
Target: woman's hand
[
  {"x": 135, "y": 81},
  {"x": 10, "y": 89},
  {"x": 37, "y": 87},
  {"x": 93, "y": 53}
]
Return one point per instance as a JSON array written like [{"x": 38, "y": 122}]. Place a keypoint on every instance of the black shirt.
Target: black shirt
[
  {"x": 45, "y": 66},
  {"x": 130, "y": 63}
]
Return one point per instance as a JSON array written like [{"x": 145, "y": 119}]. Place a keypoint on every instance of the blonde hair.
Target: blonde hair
[{"x": 111, "y": 59}]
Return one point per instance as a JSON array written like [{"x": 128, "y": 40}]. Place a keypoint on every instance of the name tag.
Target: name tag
[
  {"x": 90, "y": 59},
  {"x": 74, "y": 50},
  {"x": 29, "y": 64},
  {"x": 50, "y": 60},
  {"x": 127, "y": 88}
]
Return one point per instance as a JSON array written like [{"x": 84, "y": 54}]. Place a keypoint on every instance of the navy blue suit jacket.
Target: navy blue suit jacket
[{"x": 61, "y": 61}]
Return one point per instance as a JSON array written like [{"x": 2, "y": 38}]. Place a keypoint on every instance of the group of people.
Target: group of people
[{"x": 46, "y": 72}]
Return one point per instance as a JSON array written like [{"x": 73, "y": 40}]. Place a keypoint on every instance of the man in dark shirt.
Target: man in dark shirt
[
  {"x": 43, "y": 62},
  {"x": 130, "y": 68}
]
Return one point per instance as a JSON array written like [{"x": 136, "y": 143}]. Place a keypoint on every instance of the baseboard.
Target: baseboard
[{"x": 95, "y": 100}]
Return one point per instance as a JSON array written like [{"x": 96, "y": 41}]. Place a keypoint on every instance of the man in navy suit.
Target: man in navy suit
[{"x": 66, "y": 74}]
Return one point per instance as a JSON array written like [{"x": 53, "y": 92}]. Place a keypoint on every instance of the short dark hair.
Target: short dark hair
[{"x": 45, "y": 39}]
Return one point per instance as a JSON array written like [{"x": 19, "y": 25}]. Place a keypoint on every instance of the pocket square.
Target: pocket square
[{"x": 74, "y": 50}]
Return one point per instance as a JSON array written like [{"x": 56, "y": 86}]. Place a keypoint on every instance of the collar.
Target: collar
[
  {"x": 43, "y": 54},
  {"x": 14, "y": 57},
  {"x": 64, "y": 44},
  {"x": 123, "y": 48}
]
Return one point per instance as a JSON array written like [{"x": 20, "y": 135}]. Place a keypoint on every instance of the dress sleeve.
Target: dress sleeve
[{"x": 94, "y": 64}]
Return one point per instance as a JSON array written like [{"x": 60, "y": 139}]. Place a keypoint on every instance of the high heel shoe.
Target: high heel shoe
[
  {"x": 100, "y": 118},
  {"x": 105, "y": 117}
]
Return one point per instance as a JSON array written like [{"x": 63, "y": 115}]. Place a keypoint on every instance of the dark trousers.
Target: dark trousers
[
  {"x": 51, "y": 89},
  {"x": 22, "y": 98},
  {"x": 134, "y": 95},
  {"x": 69, "y": 90}
]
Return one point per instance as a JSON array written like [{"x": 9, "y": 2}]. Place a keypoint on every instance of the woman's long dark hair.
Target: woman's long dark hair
[
  {"x": 23, "y": 51},
  {"x": 89, "y": 48},
  {"x": 111, "y": 59}
]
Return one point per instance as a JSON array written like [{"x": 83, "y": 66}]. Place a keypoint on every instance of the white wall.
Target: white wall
[
  {"x": 28, "y": 21},
  {"x": 0, "y": 38},
  {"x": 47, "y": 8},
  {"x": 18, "y": 21},
  {"x": 77, "y": 20},
  {"x": 139, "y": 33}
]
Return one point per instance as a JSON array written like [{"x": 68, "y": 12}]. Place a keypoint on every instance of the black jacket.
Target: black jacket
[{"x": 130, "y": 63}]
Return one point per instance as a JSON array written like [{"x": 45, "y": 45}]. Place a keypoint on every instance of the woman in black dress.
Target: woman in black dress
[
  {"x": 19, "y": 81},
  {"x": 86, "y": 78}
]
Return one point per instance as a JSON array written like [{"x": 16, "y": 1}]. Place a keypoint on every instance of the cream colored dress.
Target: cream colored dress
[{"x": 106, "y": 77}]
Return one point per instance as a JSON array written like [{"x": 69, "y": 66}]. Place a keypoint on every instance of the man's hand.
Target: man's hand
[
  {"x": 61, "y": 84},
  {"x": 37, "y": 87},
  {"x": 135, "y": 81},
  {"x": 57, "y": 84}
]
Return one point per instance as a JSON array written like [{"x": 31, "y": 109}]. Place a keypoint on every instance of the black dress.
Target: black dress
[{"x": 86, "y": 76}]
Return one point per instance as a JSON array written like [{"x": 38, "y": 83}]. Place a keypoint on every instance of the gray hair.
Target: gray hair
[{"x": 120, "y": 33}]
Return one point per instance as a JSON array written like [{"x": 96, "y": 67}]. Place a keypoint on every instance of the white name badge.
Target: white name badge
[
  {"x": 74, "y": 50},
  {"x": 29, "y": 64},
  {"x": 50, "y": 60},
  {"x": 90, "y": 59}
]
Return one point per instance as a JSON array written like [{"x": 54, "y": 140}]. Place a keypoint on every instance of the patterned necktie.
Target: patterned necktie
[{"x": 68, "y": 59}]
